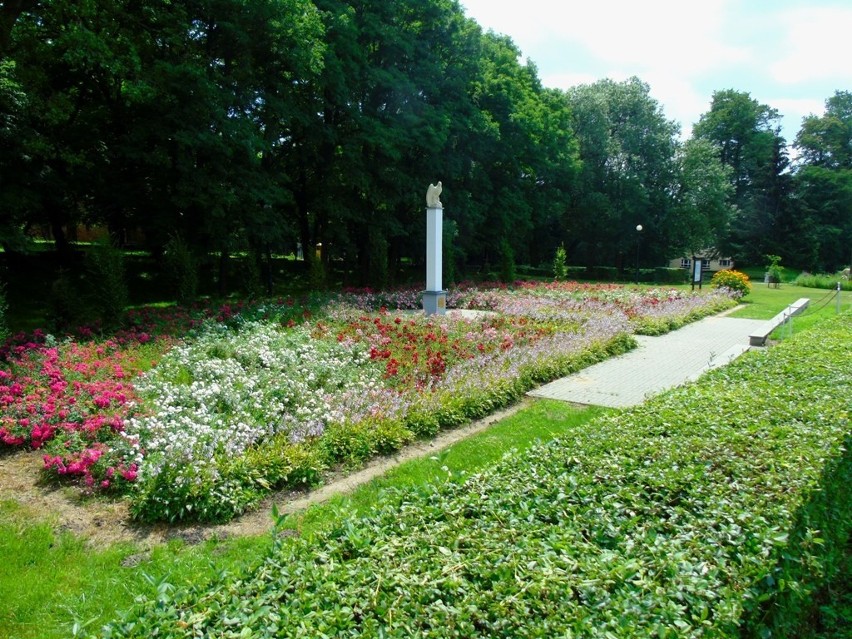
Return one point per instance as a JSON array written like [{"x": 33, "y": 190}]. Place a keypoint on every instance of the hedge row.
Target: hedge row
[
  {"x": 715, "y": 510},
  {"x": 656, "y": 275}
]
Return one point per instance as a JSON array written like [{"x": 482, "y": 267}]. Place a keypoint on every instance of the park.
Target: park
[{"x": 251, "y": 387}]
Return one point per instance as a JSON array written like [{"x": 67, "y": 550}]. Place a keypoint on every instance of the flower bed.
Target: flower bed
[
  {"x": 715, "y": 510},
  {"x": 272, "y": 394},
  {"x": 338, "y": 390},
  {"x": 72, "y": 400}
]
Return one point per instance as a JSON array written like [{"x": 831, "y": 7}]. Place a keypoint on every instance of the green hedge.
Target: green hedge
[
  {"x": 823, "y": 281},
  {"x": 671, "y": 275},
  {"x": 715, "y": 510}
]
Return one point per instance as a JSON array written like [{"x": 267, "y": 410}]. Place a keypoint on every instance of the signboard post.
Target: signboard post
[{"x": 697, "y": 271}]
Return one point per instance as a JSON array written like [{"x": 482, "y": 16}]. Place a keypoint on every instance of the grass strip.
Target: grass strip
[{"x": 715, "y": 510}]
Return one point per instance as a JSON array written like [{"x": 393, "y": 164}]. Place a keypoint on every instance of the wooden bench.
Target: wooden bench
[{"x": 758, "y": 337}]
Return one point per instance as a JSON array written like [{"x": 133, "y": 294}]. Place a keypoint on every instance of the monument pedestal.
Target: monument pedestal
[
  {"x": 434, "y": 298},
  {"x": 435, "y": 302}
]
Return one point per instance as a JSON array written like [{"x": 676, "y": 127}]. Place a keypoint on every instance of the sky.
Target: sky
[{"x": 789, "y": 54}]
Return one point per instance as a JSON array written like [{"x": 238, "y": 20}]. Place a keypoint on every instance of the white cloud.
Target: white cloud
[
  {"x": 792, "y": 111},
  {"x": 680, "y": 99},
  {"x": 636, "y": 35},
  {"x": 797, "y": 50},
  {"x": 567, "y": 80},
  {"x": 818, "y": 45}
]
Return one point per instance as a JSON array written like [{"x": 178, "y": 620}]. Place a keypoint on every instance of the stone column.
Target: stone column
[{"x": 434, "y": 298}]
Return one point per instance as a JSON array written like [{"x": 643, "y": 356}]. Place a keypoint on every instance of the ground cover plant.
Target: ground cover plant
[
  {"x": 715, "y": 510},
  {"x": 271, "y": 394}
]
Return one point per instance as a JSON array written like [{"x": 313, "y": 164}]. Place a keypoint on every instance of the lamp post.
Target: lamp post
[{"x": 638, "y": 240}]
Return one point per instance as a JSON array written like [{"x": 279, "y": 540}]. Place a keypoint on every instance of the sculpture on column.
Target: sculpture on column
[
  {"x": 433, "y": 195},
  {"x": 434, "y": 297}
]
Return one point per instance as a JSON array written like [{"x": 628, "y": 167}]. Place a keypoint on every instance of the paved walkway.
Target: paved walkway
[{"x": 659, "y": 363}]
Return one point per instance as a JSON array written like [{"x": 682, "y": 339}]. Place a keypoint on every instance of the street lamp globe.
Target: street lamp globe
[{"x": 638, "y": 227}]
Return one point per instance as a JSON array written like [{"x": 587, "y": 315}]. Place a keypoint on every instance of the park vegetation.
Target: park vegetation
[
  {"x": 199, "y": 131},
  {"x": 197, "y": 415},
  {"x": 718, "y": 509}
]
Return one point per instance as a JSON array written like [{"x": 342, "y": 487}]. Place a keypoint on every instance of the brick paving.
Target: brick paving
[{"x": 659, "y": 363}]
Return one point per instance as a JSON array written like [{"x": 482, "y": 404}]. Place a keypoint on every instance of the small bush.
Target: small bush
[
  {"x": 734, "y": 280},
  {"x": 774, "y": 269},
  {"x": 560, "y": 269},
  {"x": 250, "y": 277},
  {"x": 4, "y": 307},
  {"x": 108, "y": 286},
  {"x": 65, "y": 306},
  {"x": 507, "y": 262},
  {"x": 317, "y": 276},
  {"x": 181, "y": 269},
  {"x": 379, "y": 275}
]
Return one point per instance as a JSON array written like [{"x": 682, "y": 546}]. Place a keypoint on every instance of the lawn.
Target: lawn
[{"x": 764, "y": 302}]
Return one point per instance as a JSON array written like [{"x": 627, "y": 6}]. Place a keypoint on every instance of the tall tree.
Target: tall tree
[
  {"x": 14, "y": 194},
  {"x": 823, "y": 186},
  {"x": 151, "y": 114},
  {"x": 628, "y": 149},
  {"x": 826, "y": 140},
  {"x": 747, "y": 135},
  {"x": 702, "y": 201},
  {"x": 10, "y": 11}
]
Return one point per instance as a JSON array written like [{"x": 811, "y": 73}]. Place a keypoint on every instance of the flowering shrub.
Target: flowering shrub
[
  {"x": 662, "y": 311},
  {"x": 733, "y": 281},
  {"x": 73, "y": 400},
  {"x": 215, "y": 396},
  {"x": 270, "y": 394}
]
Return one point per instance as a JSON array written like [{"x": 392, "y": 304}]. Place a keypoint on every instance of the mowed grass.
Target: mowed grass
[
  {"x": 764, "y": 302},
  {"x": 51, "y": 580}
]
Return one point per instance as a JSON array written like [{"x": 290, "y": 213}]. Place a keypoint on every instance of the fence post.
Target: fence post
[{"x": 838, "y": 298}]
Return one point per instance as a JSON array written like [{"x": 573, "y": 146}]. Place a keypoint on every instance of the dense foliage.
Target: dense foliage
[
  {"x": 229, "y": 127},
  {"x": 716, "y": 510},
  {"x": 824, "y": 280}
]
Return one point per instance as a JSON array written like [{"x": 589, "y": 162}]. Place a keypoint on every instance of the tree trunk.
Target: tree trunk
[{"x": 63, "y": 248}]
